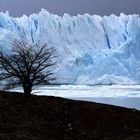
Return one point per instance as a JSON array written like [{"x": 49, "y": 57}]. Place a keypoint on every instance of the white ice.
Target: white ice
[
  {"x": 76, "y": 91},
  {"x": 91, "y": 49},
  {"x": 119, "y": 95},
  {"x": 90, "y": 91}
]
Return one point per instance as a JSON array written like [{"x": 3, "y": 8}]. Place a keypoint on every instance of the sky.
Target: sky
[{"x": 17, "y": 8}]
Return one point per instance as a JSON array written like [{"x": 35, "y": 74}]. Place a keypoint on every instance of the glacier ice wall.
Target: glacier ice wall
[{"x": 90, "y": 49}]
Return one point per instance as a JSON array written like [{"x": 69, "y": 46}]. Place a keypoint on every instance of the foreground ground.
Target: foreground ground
[{"x": 50, "y": 118}]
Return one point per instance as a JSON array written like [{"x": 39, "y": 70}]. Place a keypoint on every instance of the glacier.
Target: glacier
[{"x": 90, "y": 49}]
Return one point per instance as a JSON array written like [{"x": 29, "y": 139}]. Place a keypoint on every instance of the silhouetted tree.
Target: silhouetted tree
[{"x": 26, "y": 65}]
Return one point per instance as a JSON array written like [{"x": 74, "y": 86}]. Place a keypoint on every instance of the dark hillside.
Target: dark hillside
[{"x": 51, "y": 118}]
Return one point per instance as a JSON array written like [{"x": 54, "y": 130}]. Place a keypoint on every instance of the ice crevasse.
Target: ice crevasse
[{"x": 91, "y": 49}]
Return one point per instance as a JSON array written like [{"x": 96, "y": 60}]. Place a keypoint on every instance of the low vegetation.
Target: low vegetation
[{"x": 51, "y": 118}]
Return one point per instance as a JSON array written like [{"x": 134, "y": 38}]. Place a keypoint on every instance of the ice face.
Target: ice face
[{"x": 90, "y": 49}]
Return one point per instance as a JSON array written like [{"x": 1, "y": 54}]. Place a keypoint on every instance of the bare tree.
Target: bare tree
[{"x": 27, "y": 65}]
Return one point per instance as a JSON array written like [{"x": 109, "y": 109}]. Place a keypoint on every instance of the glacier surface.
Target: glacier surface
[{"x": 90, "y": 49}]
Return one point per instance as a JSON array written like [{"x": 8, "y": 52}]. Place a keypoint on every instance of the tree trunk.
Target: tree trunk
[{"x": 27, "y": 89}]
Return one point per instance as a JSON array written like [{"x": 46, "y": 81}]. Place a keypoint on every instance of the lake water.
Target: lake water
[
  {"x": 119, "y": 95},
  {"x": 128, "y": 102}
]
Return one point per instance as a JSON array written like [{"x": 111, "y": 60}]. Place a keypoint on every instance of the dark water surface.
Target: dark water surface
[{"x": 128, "y": 102}]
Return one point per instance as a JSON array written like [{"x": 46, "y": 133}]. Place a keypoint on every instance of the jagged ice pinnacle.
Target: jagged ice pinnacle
[{"x": 90, "y": 49}]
